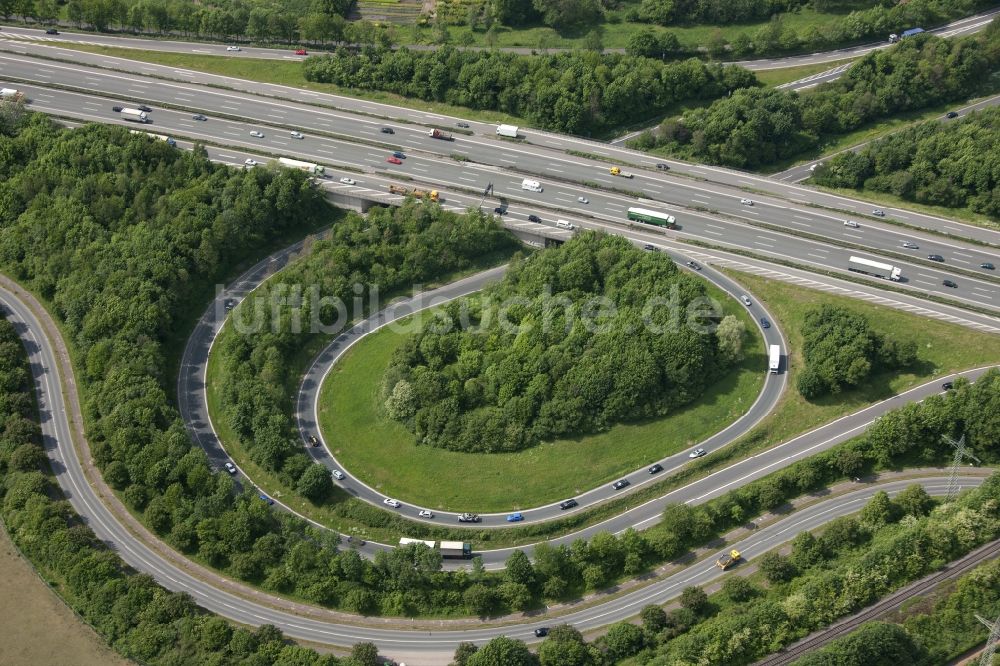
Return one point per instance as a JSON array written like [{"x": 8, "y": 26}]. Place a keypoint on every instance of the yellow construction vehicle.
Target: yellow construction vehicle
[{"x": 726, "y": 561}]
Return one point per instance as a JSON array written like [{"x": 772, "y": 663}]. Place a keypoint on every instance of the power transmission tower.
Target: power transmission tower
[
  {"x": 960, "y": 453},
  {"x": 992, "y": 642}
]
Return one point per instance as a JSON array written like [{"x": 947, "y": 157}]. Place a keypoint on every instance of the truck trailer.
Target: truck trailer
[
  {"x": 874, "y": 268},
  {"x": 438, "y": 134},
  {"x": 615, "y": 171},
  {"x": 414, "y": 192},
  {"x": 308, "y": 167},
  {"x": 893, "y": 38},
  {"x": 456, "y": 549},
  {"x": 10, "y": 93},
  {"x": 135, "y": 115},
  {"x": 509, "y": 131},
  {"x": 160, "y": 137}
]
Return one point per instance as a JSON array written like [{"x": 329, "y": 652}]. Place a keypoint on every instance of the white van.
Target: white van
[
  {"x": 563, "y": 224},
  {"x": 532, "y": 185}
]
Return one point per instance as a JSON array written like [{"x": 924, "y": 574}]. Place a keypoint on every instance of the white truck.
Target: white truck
[
  {"x": 509, "y": 131},
  {"x": 774, "y": 359},
  {"x": 874, "y": 268},
  {"x": 161, "y": 137},
  {"x": 10, "y": 93},
  {"x": 531, "y": 185},
  {"x": 456, "y": 549},
  {"x": 308, "y": 167},
  {"x": 135, "y": 115}
]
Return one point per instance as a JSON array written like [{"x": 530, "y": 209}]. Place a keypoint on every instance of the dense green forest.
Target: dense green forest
[
  {"x": 131, "y": 611},
  {"x": 387, "y": 252},
  {"x": 954, "y": 164},
  {"x": 546, "y": 367},
  {"x": 578, "y": 92},
  {"x": 754, "y": 127},
  {"x": 841, "y": 351}
]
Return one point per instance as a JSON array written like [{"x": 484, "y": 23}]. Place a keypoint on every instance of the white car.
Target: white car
[
  {"x": 347, "y": 181},
  {"x": 255, "y": 133},
  {"x": 697, "y": 453},
  {"x": 297, "y": 135},
  {"x": 230, "y": 467},
  {"x": 583, "y": 200},
  {"x": 391, "y": 502},
  {"x": 232, "y": 48},
  {"x": 250, "y": 162},
  {"x": 424, "y": 513},
  {"x": 337, "y": 474},
  {"x": 851, "y": 223},
  {"x": 745, "y": 299},
  {"x": 746, "y": 202},
  {"x": 814, "y": 166}
]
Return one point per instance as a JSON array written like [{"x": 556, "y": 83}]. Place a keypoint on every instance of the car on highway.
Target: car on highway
[
  {"x": 296, "y": 135},
  {"x": 499, "y": 210},
  {"x": 514, "y": 517},
  {"x": 116, "y": 109},
  {"x": 399, "y": 154},
  {"x": 387, "y": 130},
  {"x": 143, "y": 107},
  {"x": 256, "y": 134},
  {"x": 393, "y": 160},
  {"x": 347, "y": 181},
  {"x": 619, "y": 484},
  {"x": 878, "y": 213},
  {"x": 583, "y": 200},
  {"x": 199, "y": 116},
  {"x": 746, "y": 202},
  {"x": 949, "y": 283},
  {"x": 987, "y": 265},
  {"x": 935, "y": 257},
  {"x": 764, "y": 323},
  {"x": 542, "y": 632},
  {"x": 697, "y": 453},
  {"x": 424, "y": 513},
  {"x": 465, "y": 125},
  {"x": 230, "y": 304},
  {"x": 947, "y": 386},
  {"x": 265, "y": 498},
  {"x": 388, "y": 501},
  {"x": 568, "y": 504},
  {"x": 314, "y": 440},
  {"x": 951, "y": 114},
  {"x": 650, "y": 248},
  {"x": 230, "y": 467},
  {"x": 51, "y": 31},
  {"x": 910, "y": 245},
  {"x": 337, "y": 474},
  {"x": 250, "y": 162},
  {"x": 693, "y": 265},
  {"x": 655, "y": 469},
  {"x": 301, "y": 52},
  {"x": 851, "y": 223},
  {"x": 469, "y": 518},
  {"x": 663, "y": 167},
  {"x": 232, "y": 48},
  {"x": 745, "y": 300},
  {"x": 534, "y": 218}
]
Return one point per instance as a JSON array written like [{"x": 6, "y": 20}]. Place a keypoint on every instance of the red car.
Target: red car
[
  {"x": 393, "y": 160},
  {"x": 301, "y": 52}
]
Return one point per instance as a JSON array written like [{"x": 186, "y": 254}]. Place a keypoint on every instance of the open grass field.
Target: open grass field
[
  {"x": 37, "y": 628},
  {"x": 383, "y": 454}
]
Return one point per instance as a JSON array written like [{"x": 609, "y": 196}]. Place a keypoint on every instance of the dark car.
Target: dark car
[
  {"x": 198, "y": 116},
  {"x": 663, "y": 167},
  {"x": 935, "y": 257},
  {"x": 987, "y": 265},
  {"x": 655, "y": 469},
  {"x": 947, "y": 386},
  {"x": 465, "y": 125},
  {"x": 116, "y": 109},
  {"x": 230, "y": 304},
  {"x": 619, "y": 484},
  {"x": 51, "y": 31},
  {"x": 143, "y": 107},
  {"x": 542, "y": 632},
  {"x": 266, "y": 499},
  {"x": 949, "y": 283},
  {"x": 764, "y": 323},
  {"x": 693, "y": 265},
  {"x": 314, "y": 440},
  {"x": 534, "y": 218},
  {"x": 650, "y": 248},
  {"x": 500, "y": 211},
  {"x": 399, "y": 155},
  {"x": 952, "y": 114},
  {"x": 568, "y": 504},
  {"x": 387, "y": 130}
]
